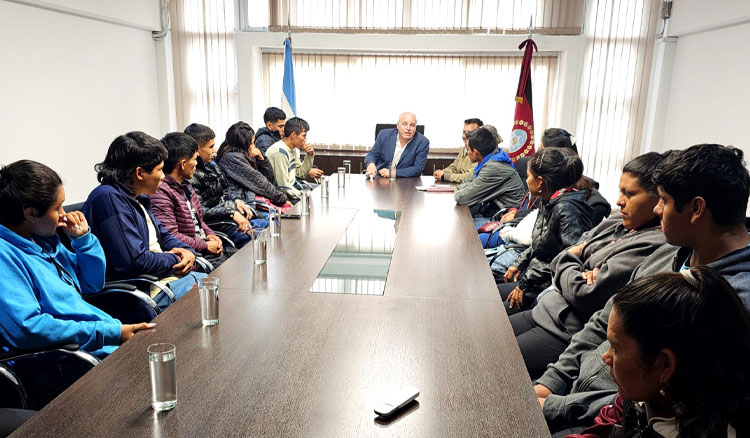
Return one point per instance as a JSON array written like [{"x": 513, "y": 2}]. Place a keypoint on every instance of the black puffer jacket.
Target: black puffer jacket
[
  {"x": 245, "y": 179},
  {"x": 561, "y": 222},
  {"x": 264, "y": 138},
  {"x": 211, "y": 187}
]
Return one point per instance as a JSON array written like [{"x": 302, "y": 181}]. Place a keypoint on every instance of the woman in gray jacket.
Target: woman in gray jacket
[{"x": 586, "y": 275}]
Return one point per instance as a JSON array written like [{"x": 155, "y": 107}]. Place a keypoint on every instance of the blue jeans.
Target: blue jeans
[
  {"x": 501, "y": 260},
  {"x": 179, "y": 287}
]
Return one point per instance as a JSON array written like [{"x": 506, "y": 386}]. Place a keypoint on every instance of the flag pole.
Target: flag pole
[
  {"x": 531, "y": 20},
  {"x": 289, "y": 19}
]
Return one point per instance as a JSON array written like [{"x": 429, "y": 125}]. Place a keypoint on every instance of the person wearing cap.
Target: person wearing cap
[
  {"x": 495, "y": 183},
  {"x": 462, "y": 167}
]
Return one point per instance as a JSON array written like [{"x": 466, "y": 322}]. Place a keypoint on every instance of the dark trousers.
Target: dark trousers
[
  {"x": 538, "y": 346},
  {"x": 506, "y": 288}
]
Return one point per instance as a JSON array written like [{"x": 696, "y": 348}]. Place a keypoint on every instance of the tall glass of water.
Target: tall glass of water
[
  {"x": 348, "y": 165},
  {"x": 163, "y": 370},
  {"x": 209, "y": 296},
  {"x": 324, "y": 187},
  {"x": 392, "y": 172},
  {"x": 342, "y": 176},
  {"x": 274, "y": 223},
  {"x": 304, "y": 202},
  {"x": 260, "y": 245}
]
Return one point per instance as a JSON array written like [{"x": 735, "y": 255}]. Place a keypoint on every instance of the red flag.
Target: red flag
[{"x": 522, "y": 138}]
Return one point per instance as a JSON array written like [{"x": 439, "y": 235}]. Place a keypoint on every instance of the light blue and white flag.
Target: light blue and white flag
[{"x": 288, "y": 95}]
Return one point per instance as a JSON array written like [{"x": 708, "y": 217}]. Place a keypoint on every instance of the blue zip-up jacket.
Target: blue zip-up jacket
[
  {"x": 118, "y": 221},
  {"x": 40, "y": 305},
  {"x": 412, "y": 159}
]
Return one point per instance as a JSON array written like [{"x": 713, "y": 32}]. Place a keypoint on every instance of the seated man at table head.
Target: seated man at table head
[
  {"x": 284, "y": 157},
  {"x": 43, "y": 282},
  {"x": 404, "y": 146},
  {"x": 462, "y": 167},
  {"x": 210, "y": 185},
  {"x": 494, "y": 184},
  {"x": 176, "y": 205},
  {"x": 119, "y": 211},
  {"x": 274, "y": 120},
  {"x": 703, "y": 195}
]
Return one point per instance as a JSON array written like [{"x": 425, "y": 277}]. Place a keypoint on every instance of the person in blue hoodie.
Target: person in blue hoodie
[
  {"x": 42, "y": 302},
  {"x": 495, "y": 184},
  {"x": 119, "y": 210}
]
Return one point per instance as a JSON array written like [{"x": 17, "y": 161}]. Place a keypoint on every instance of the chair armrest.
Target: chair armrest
[
  {"x": 148, "y": 279},
  {"x": 225, "y": 239},
  {"x": 130, "y": 306},
  {"x": 67, "y": 349},
  {"x": 205, "y": 265}
]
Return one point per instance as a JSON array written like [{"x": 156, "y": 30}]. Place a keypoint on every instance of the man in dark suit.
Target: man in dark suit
[{"x": 403, "y": 146}]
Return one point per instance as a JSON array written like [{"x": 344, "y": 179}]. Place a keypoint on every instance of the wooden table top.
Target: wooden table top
[{"x": 286, "y": 362}]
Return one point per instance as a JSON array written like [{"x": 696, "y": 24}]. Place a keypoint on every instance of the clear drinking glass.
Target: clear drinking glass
[
  {"x": 304, "y": 203},
  {"x": 260, "y": 246},
  {"x": 274, "y": 223},
  {"x": 163, "y": 370},
  {"x": 392, "y": 172},
  {"x": 209, "y": 296},
  {"x": 348, "y": 166},
  {"x": 324, "y": 187}
]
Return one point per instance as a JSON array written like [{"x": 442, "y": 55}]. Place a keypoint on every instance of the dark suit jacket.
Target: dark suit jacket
[{"x": 412, "y": 160}]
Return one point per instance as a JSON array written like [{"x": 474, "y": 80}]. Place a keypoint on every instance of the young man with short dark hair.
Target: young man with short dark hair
[
  {"x": 177, "y": 206},
  {"x": 231, "y": 217},
  {"x": 703, "y": 195},
  {"x": 119, "y": 213},
  {"x": 495, "y": 184},
  {"x": 284, "y": 157},
  {"x": 274, "y": 120}
]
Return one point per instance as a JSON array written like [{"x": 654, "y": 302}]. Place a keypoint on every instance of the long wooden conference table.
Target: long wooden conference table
[{"x": 284, "y": 361}]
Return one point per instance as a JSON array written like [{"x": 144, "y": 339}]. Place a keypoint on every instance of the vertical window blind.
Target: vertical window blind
[
  {"x": 614, "y": 86},
  {"x": 344, "y": 96},
  {"x": 204, "y": 63},
  {"x": 562, "y": 17}
]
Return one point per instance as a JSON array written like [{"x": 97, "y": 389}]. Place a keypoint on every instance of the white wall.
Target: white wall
[
  {"x": 69, "y": 85},
  {"x": 709, "y": 87}
]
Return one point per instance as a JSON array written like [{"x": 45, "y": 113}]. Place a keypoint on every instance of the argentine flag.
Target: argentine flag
[{"x": 288, "y": 95}]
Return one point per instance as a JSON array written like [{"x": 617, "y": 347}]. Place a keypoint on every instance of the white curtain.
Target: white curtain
[
  {"x": 564, "y": 16},
  {"x": 204, "y": 63},
  {"x": 619, "y": 46},
  {"x": 343, "y": 97}
]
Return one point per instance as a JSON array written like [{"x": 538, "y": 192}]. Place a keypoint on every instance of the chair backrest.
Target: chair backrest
[
  {"x": 380, "y": 126},
  {"x": 78, "y": 206}
]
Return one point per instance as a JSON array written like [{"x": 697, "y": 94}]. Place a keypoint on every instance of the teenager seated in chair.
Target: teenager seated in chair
[
  {"x": 119, "y": 211},
  {"x": 679, "y": 353},
  {"x": 586, "y": 275},
  {"x": 230, "y": 216},
  {"x": 284, "y": 158},
  {"x": 495, "y": 184},
  {"x": 563, "y": 217},
  {"x": 703, "y": 195},
  {"x": 43, "y": 282},
  {"x": 176, "y": 205},
  {"x": 274, "y": 120},
  {"x": 248, "y": 172}
]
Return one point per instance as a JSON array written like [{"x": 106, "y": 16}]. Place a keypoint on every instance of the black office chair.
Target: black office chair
[
  {"x": 32, "y": 378},
  {"x": 522, "y": 166},
  {"x": 125, "y": 302},
  {"x": 380, "y": 126}
]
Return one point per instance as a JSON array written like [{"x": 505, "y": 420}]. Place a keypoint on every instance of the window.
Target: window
[
  {"x": 344, "y": 96},
  {"x": 558, "y": 17}
]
